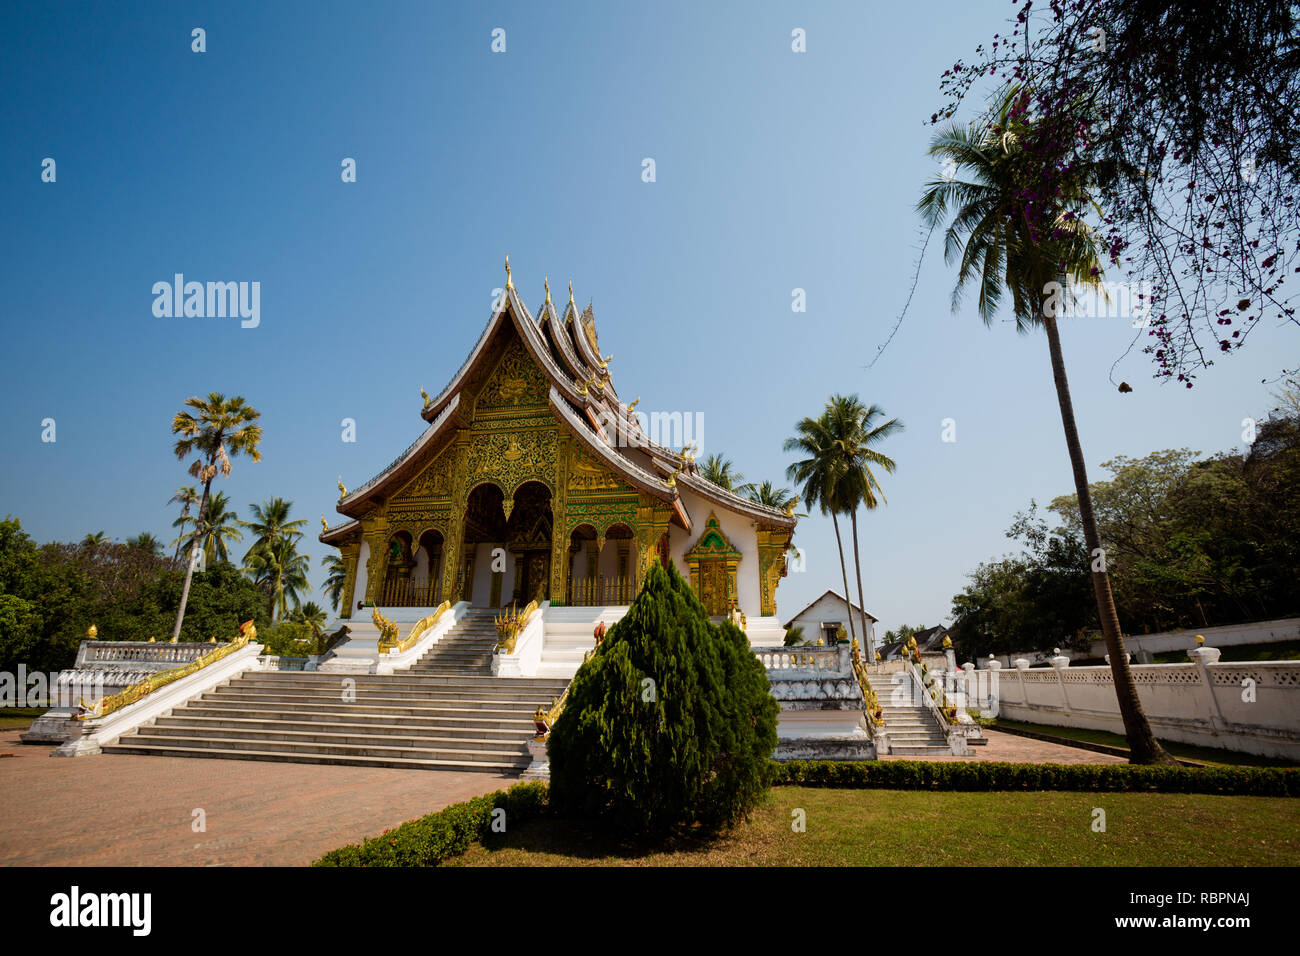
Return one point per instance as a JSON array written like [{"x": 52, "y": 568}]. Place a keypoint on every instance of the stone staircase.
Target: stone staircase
[
  {"x": 912, "y": 729},
  {"x": 446, "y": 712},
  {"x": 467, "y": 648},
  {"x": 569, "y": 636}
]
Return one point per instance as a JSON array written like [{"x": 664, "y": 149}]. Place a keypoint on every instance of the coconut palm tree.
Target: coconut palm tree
[
  {"x": 213, "y": 430},
  {"x": 856, "y": 429},
  {"x": 271, "y": 523},
  {"x": 280, "y": 571},
  {"x": 335, "y": 577},
  {"x": 1019, "y": 230},
  {"x": 94, "y": 539},
  {"x": 187, "y": 496},
  {"x": 220, "y": 526},
  {"x": 311, "y": 614},
  {"x": 720, "y": 470},
  {"x": 144, "y": 541},
  {"x": 818, "y": 476},
  {"x": 768, "y": 494}
]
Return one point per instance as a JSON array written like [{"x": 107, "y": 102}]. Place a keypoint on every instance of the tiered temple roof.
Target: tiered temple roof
[{"x": 583, "y": 398}]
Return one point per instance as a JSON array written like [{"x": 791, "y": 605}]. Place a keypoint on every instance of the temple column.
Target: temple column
[
  {"x": 652, "y": 518},
  {"x": 375, "y": 532},
  {"x": 772, "y": 545},
  {"x": 351, "y": 553}
]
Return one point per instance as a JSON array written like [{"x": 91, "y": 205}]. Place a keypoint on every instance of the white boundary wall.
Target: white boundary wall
[{"x": 1252, "y": 707}]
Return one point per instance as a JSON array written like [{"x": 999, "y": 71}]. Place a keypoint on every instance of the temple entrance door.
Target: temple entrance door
[
  {"x": 479, "y": 580},
  {"x": 715, "y": 587},
  {"x": 528, "y": 532}
]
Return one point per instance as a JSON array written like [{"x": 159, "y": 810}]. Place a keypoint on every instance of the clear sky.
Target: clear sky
[{"x": 775, "y": 170}]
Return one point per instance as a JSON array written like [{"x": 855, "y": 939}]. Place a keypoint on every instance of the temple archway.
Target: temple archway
[
  {"x": 528, "y": 535},
  {"x": 426, "y": 577},
  {"x": 481, "y": 576},
  {"x": 397, "y": 577}
]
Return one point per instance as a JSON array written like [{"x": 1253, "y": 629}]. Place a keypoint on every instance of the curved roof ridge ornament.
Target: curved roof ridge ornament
[{"x": 510, "y": 283}]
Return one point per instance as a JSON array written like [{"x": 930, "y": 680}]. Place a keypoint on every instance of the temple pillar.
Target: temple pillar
[
  {"x": 773, "y": 542},
  {"x": 351, "y": 553},
  {"x": 375, "y": 531}
]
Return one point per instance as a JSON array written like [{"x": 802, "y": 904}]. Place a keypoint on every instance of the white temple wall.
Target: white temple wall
[{"x": 740, "y": 530}]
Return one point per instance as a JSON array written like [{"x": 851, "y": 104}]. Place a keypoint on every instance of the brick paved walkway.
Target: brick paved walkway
[
  {"x": 1016, "y": 749},
  {"x": 132, "y": 810},
  {"x": 126, "y": 810}
]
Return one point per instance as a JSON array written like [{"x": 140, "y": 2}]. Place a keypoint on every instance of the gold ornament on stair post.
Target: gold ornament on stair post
[{"x": 92, "y": 632}]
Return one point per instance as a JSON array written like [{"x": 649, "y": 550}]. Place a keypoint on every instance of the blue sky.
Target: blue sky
[{"x": 774, "y": 171}]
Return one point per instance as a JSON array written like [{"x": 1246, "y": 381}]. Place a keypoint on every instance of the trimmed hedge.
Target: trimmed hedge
[
  {"x": 990, "y": 776},
  {"x": 449, "y": 832}
]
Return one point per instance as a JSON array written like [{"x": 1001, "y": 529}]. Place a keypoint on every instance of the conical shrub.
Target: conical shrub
[{"x": 670, "y": 724}]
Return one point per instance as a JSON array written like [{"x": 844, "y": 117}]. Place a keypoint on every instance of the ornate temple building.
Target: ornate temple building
[{"x": 533, "y": 480}]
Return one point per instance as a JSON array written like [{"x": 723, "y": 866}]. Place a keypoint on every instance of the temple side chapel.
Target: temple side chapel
[{"x": 534, "y": 480}]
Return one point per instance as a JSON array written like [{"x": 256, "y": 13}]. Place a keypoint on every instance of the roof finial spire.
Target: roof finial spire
[
  {"x": 510, "y": 283},
  {"x": 546, "y": 281},
  {"x": 570, "y": 292}
]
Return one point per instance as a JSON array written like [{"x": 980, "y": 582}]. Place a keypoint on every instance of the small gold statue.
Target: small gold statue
[{"x": 92, "y": 632}]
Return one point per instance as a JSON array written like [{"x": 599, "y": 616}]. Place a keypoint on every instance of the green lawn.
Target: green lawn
[
  {"x": 915, "y": 828},
  {"x": 1229, "y": 758},
  {"x": 19, "y": 718}
]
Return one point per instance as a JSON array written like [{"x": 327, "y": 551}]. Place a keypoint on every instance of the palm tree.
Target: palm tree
[
  {"x": 187, "y": 496},
  {"x": 271, "y": 523},
  {"x": 1017, "y": 232},
  {"x": 216, "y": 430},
  {"x": 719, "y": 470},
  {"x": 281, "y": 572},
  {"x": 336, "y": 576},
  {"x": 94, "y": 539},
  {"x": 220, "y": 526},
  {"x": 819, "y": 476},
  {"x": 145, "y": 541},
  {"x": 769, "y": 495},
  {"x": 856, "y": 428},
  {"x": 313, "y": 615}
]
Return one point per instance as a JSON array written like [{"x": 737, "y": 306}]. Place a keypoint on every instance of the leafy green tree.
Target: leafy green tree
[
  {"x": 670, "y": 724},
  {"x": 794, "y": 636},
  {"x": 215, "y": 431},
  {"x": 1012, "y": 237},
  {"x": 289, "y": 639}
]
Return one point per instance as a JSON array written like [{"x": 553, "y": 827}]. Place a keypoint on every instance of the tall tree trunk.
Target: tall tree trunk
[
  {"x": 189, "y": 564},
  {"x": 868, "y": 645},
  {"x": 1143, "y": 746},
  {"x": 185, "y": 513},
  {"x": 844, "y": 571}
]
